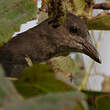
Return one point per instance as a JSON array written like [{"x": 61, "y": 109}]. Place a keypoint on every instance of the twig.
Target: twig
[
  {"x": 83, "y": 84},
  {"x": 10, "y": 78},
  {"x": 29, "y": 61},
  {"x": 104, "y": 6}
]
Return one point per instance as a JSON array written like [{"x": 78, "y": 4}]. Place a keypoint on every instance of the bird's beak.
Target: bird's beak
[{"x": 91, "y": 51}]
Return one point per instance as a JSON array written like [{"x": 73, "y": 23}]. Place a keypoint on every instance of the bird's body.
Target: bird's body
[{"x": 45, "y": 41}]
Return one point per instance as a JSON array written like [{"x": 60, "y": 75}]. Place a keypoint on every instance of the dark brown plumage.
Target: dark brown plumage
[{"x": 45, "y": 41}]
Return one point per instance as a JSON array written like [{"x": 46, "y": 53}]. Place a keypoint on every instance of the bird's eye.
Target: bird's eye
[{"x": 73, "y": 29}]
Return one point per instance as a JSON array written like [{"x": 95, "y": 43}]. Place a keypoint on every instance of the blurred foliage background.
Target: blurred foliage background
[{"x": 61, "y": 82}]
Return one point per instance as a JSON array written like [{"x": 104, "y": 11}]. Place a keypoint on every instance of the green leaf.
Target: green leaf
[
  {"x": 94, "y": 93},
  {"x": 100, "y": 22},
  {"x": 13, "y": 13},
  {"x": 7, "y": 90},
  {"x": 94, "y": 99},
  {"x": 10, "y": 100},
  {"x": 40, "y": 79},
  {"x": 58, "y": 101},
  {"x": 2, "y": 96},
  {"x": 108, "y": 1},
  {"x": 103, "y": 103}
]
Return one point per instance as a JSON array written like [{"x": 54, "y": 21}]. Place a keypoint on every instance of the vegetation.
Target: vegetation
[{"x": 60, "y": 83}]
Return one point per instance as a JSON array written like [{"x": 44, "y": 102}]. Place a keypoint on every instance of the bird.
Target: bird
[{"x": 45, "y": 41}]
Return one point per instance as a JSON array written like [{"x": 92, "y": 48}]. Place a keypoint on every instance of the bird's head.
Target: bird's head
[{"x": 73, "y": 36}]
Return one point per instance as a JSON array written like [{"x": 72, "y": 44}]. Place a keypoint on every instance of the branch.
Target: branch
[
  {"x": 104, "y": 6},
  {"x": 99, "y": 22}
]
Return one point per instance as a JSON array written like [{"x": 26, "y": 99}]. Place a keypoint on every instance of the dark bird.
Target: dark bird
[{"x": 46, "y": 41}]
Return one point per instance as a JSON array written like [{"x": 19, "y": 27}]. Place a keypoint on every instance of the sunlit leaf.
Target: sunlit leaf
[
  {"x": 40, "y": 79},
  {"x": 71, "y": 69}
]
